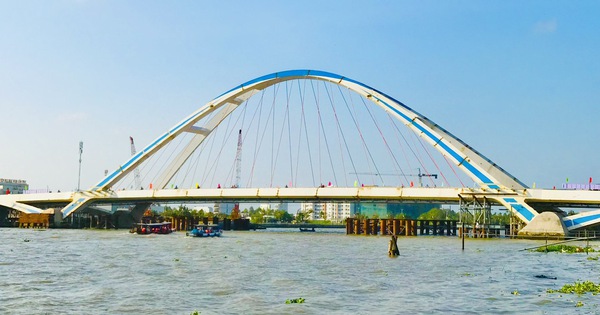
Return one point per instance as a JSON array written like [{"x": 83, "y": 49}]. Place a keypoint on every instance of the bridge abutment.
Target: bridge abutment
[{"x": 545, "y": 224}]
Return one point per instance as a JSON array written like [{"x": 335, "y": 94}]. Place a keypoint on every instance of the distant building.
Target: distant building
[
  {"x": 274, "y": 206},
  {"x": 224, "y": 207},
  {"x": 12, "y": 186},
  {"x": 332, "y": 211}
]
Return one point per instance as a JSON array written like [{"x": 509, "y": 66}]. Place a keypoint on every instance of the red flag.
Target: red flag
[{"x": 590, "y": 180}]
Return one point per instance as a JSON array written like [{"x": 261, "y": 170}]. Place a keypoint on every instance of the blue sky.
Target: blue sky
[{"x": 516, "y": 80}]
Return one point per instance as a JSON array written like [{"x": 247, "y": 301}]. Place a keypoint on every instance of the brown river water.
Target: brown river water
[{"x": 114, "y": 272}]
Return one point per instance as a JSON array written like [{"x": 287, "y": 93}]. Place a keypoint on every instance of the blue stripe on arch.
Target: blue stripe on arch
[
  {"x": 519, "y": 208},
  {"x": 582, "y": 220},
  {"x": 523, "y": 211},
  {"x": 482, "y": 177}
]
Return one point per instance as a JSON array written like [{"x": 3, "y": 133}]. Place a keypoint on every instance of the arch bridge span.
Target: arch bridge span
[{"x": 492, "y": 180}]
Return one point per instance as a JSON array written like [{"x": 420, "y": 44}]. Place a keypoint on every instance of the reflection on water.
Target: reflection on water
[{"x": 114, "y": 272}]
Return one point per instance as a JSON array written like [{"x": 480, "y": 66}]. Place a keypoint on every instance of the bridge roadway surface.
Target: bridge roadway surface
[{"x": 540, "y": 197}]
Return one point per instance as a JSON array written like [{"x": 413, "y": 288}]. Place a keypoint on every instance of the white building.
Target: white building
[
  {"x": 274, "y": 206},
  {"x": 333, "y": 211}
]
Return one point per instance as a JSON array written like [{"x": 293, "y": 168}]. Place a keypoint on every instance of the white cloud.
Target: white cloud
[{"x": 545, "y": 27}]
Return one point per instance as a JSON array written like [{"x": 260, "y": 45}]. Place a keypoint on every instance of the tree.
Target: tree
[
  {"x": 283, "y": 216},
  {"x": 401, "y": 216},
  {"x": 438, "y": 214}
]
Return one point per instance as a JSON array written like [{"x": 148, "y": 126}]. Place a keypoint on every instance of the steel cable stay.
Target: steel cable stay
[
  {"x": 302, "y": 96},
  {"x": 262, "y": 137},
  {"x": 199, "y": 153},
  {"x": 434, "y": 163},
  {"x": 369, "y": 151},
  {"x": 415, "y": 154},
  {"x": 397, "y": 166},
  {"x": 346, "y": 144},
  {"x": 287, "y": 109},
  {"x": 337, "y": 122},
  {"x": 175, "y": 180},
  {"x": 211, "y": 160},
  {"x": 416, "y": 139},
  {"x": 259, "y": 112},
  {"x": 273, "y": 132},
  {"x": 226, "y": 135},
  {"x": 280, "y": 135},
  {"x": 324, "y": 134},
  {"x": 365, "y": 148},
  {"x": 206, "y": 171},
  {"x": 155, "y": 159},
  {"x": 246, "y": 135},
  {"x": 393, "y": 124},
  {"x": 229, "y": 133},
  {"x": 340, "y": 130}
]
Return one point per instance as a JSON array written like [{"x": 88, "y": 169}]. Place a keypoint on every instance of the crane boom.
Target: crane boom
[{"x": 136, "y": 171}]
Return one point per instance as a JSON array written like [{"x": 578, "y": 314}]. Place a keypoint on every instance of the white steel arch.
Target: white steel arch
[{"x": 480, "y": 169}]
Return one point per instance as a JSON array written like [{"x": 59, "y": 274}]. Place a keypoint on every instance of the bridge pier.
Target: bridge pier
[
  {"x": 545, "y": 224},
  {"x": 399, "y": 227}
]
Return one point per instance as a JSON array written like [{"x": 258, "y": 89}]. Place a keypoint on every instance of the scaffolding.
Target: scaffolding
[{"x": 475, "y": 215}]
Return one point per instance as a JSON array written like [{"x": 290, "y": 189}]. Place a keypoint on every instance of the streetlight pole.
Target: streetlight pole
[{"x": 80, "y": 153}]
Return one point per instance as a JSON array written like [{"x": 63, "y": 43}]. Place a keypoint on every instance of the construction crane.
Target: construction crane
[
  {"x": 136, "y": 171},
  {"x": 420, "y": 175},
  {"x": 235, "y": 213}
]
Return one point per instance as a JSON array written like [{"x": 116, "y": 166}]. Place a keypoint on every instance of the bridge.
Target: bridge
[{"x": 291, "y": 158}]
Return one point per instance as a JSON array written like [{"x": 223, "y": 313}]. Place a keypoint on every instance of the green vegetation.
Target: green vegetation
[
  {"x": 260, "y": 215},
  {"x": 564, "y": 249},
  {"x": 438, "y": 214},
  {"x": 195, "y": 313},
  {"x": 293, "y": 301},
  {"x": 184, "y": 212},
  {"x": 578, "y": 288}
]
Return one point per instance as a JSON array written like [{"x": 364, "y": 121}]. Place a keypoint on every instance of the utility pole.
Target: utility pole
[{"x": 80, "y": 153}]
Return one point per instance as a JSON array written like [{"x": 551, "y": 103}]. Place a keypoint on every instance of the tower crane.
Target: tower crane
[
  {"x": 235, "y": 213},
  {"x": 420, "y": 175},
  {"x": 136, "y": 171}
]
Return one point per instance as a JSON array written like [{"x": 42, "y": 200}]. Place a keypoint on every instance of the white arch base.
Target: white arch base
[{"x": 546, "y": 224}]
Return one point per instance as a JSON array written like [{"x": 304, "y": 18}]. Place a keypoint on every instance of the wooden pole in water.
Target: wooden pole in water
[
  {"x": 393, "y": 248},
  {"x": 463, "y": 235}
]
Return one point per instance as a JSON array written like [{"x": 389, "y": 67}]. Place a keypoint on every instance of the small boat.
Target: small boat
[
  {"x": 306, "y": 229},
  {"x": 205, "y": 230},
  {"x": 152, "y": 228}
]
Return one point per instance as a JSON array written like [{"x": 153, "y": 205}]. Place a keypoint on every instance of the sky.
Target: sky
[{"x": 516, "y": 80}]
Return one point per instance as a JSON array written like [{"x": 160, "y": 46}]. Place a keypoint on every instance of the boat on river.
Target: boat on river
[
  {"x": 152, "y": 228},
  {"x": 307, "y": 229},
  {"x": 206, "y": 230}
]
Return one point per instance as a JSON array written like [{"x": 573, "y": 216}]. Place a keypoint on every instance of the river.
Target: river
[{"x": 114, "y": 272}]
